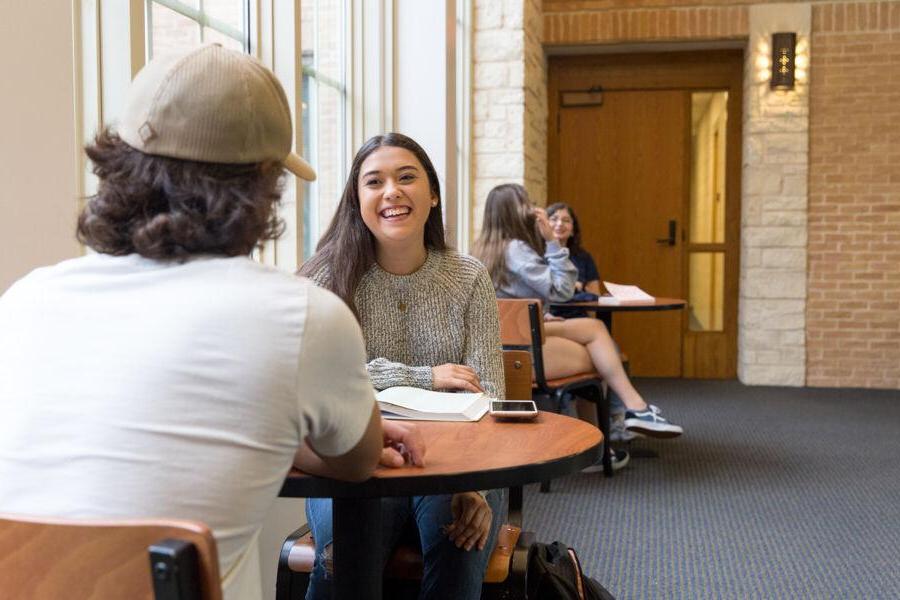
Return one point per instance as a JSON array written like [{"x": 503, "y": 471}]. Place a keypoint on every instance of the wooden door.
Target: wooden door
[
  {"x": 622, "y": 150},
  {"x": 626, "y": 177}
]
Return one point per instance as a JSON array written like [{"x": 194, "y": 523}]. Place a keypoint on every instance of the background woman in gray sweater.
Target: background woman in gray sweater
[
  {"x": 519, "y": 249},
  {"x": 429, "y": 318}
]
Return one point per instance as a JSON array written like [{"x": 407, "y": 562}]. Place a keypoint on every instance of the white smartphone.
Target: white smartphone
[{"x": 513, "y": 409}]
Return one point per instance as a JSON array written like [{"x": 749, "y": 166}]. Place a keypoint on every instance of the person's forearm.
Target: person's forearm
[
  {"x": 384, "y": 374},
  {"x": 563, "y": 273},
  {"x": 311, "y": 463}
]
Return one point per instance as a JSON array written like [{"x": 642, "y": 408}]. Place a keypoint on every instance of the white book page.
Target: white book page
[
  {"x": 428, "y": 401},
  {"x": 626, "y": 293}
]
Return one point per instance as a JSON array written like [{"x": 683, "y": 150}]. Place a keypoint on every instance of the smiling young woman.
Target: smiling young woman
[{"x": 429, "y": 319}]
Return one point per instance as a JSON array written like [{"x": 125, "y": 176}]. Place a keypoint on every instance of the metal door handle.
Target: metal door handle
[{"x": 669, "y": 241}]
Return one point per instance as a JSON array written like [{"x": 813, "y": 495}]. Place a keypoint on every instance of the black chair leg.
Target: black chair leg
[{"x": 602, "y": 402}]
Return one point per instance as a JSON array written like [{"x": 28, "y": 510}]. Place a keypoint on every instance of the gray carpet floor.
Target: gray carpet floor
[{"x": 771, "y": 493}]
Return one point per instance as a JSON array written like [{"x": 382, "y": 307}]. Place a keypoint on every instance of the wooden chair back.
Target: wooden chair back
[
  {"x": 94, "y": 560},
  {"x": 517, "y": 374},
  {"x": 516, "y": 322}
]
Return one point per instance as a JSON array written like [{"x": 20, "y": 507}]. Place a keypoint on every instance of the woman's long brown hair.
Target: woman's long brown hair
[
  {"x": 347, "y": 248},
  {"x": 507, "y": 216}
]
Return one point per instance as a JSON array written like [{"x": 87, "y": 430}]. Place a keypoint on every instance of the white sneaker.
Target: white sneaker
[
  {"x": 651, "y": 423},
  {"x": 619, "y": 459}
]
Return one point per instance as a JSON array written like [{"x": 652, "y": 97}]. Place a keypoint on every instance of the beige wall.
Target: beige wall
[{"x": 37, "y": 121}]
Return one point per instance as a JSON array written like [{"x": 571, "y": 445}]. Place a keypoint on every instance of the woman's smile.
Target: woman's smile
[{"x": 394, "y": 214}]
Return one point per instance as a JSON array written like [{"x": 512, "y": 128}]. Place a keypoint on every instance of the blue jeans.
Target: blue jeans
[{"x": 449, "y": 572}]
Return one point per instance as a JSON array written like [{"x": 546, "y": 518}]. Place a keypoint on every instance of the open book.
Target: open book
[
  {"x": 416, "y": 404},
  {"x": 624, "y": 294}
]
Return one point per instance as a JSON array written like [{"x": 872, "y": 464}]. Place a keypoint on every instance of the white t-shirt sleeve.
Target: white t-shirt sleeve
[{"x": 335, "y": 394}]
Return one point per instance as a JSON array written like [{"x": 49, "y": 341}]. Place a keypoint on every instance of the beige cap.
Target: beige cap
[{"x": 213, "y": 105}]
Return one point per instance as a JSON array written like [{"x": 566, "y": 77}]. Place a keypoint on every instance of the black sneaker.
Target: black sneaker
[
  {"x": 619, "y": 459},
  {"x": 651, "y": 423}
]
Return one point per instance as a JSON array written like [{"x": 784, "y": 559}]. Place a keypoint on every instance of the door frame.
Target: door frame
[{"x": 694, "y": 71}]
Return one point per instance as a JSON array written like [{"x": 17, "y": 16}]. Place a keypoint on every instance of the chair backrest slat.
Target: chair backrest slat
[
  {"x": 515, "y": 323},
  {"x": 54, "y": 558},
  {"x": 517, "y": 374}
]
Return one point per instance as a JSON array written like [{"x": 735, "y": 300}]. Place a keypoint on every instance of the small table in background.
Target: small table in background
[
  {"x": 605, "y": 311},
  {"x": 460, "y": 457}
]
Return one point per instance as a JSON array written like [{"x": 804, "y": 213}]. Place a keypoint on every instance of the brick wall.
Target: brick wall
[
  {"x": 853, "y": 334},
  {"x": 607, "y": 22}
]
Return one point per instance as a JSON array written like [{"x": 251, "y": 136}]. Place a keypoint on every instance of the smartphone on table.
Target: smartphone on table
[{"x": 513, "y": 409}]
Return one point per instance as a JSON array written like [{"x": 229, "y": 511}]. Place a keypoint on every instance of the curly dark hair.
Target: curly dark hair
[{"x": 168, "y": 208}]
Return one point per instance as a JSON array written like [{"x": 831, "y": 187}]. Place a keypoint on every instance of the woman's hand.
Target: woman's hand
[
  {"x": 549, "y": 318},
  {"x": 543, "y": 224},
  {"x": 455, "y": 377},
  {"x": 403, "y": 443},
  {"x": 579, "y": 287},
  {"x": 472, "y": 520}
]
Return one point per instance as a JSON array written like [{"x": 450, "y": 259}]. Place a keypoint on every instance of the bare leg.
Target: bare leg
[{"x": 561, "y": 358}]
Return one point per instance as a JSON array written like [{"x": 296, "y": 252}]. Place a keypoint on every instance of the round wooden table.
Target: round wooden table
[{"x": 460, "y": 457}]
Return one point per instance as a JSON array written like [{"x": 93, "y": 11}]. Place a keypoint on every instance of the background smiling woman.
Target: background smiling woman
[{"x": 429, "y": 318}]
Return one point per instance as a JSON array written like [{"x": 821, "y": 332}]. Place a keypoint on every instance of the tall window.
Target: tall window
[
  {"x": 323, "y": 38},
  {"x": 173, "y": 25}
]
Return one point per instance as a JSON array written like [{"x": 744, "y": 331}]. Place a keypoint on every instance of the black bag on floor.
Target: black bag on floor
[{"x": 554, "y": 573}]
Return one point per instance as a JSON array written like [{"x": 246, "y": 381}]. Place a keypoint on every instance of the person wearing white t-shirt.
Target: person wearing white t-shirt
[{"x": 169, "y": 375}]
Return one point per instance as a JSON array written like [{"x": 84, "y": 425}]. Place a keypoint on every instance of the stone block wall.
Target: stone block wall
[
  {"x": 772, "y": 293},
  {"x": 853, "y": 334},
  {"x": 498, "y": 75}
]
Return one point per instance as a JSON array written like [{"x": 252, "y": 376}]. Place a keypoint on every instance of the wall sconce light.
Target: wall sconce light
[{"x": 783, "y": 60}]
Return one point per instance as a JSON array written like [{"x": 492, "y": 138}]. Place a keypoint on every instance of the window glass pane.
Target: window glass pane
[
  {"x": 213, "y": 36},
  {"x": 229, "y": 12},
  {"x": 330, "y": 39},
  {"x": 329, "y": 151},
  {"x": 707, "y": 286},
  {"x": 171, "y": 31},
  {"x": 708, "y": 119},
  {"x": 323, "y": 40},
  {"x": 306, "y": 120}
]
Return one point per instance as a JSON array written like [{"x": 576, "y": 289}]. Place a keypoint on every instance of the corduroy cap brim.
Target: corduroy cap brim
[{"x": 211, "y": 104}]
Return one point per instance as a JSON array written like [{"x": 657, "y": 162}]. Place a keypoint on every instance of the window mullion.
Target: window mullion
[{"x": 203, "y": 19}]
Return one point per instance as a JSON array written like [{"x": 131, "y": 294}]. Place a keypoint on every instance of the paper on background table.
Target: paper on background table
[
  {"x": 624, "y": 293},
  {"x": 416, "y": 403}
]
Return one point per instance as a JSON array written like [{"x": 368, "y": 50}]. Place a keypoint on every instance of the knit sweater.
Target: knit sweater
[{"x": 445, "y": 312}]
